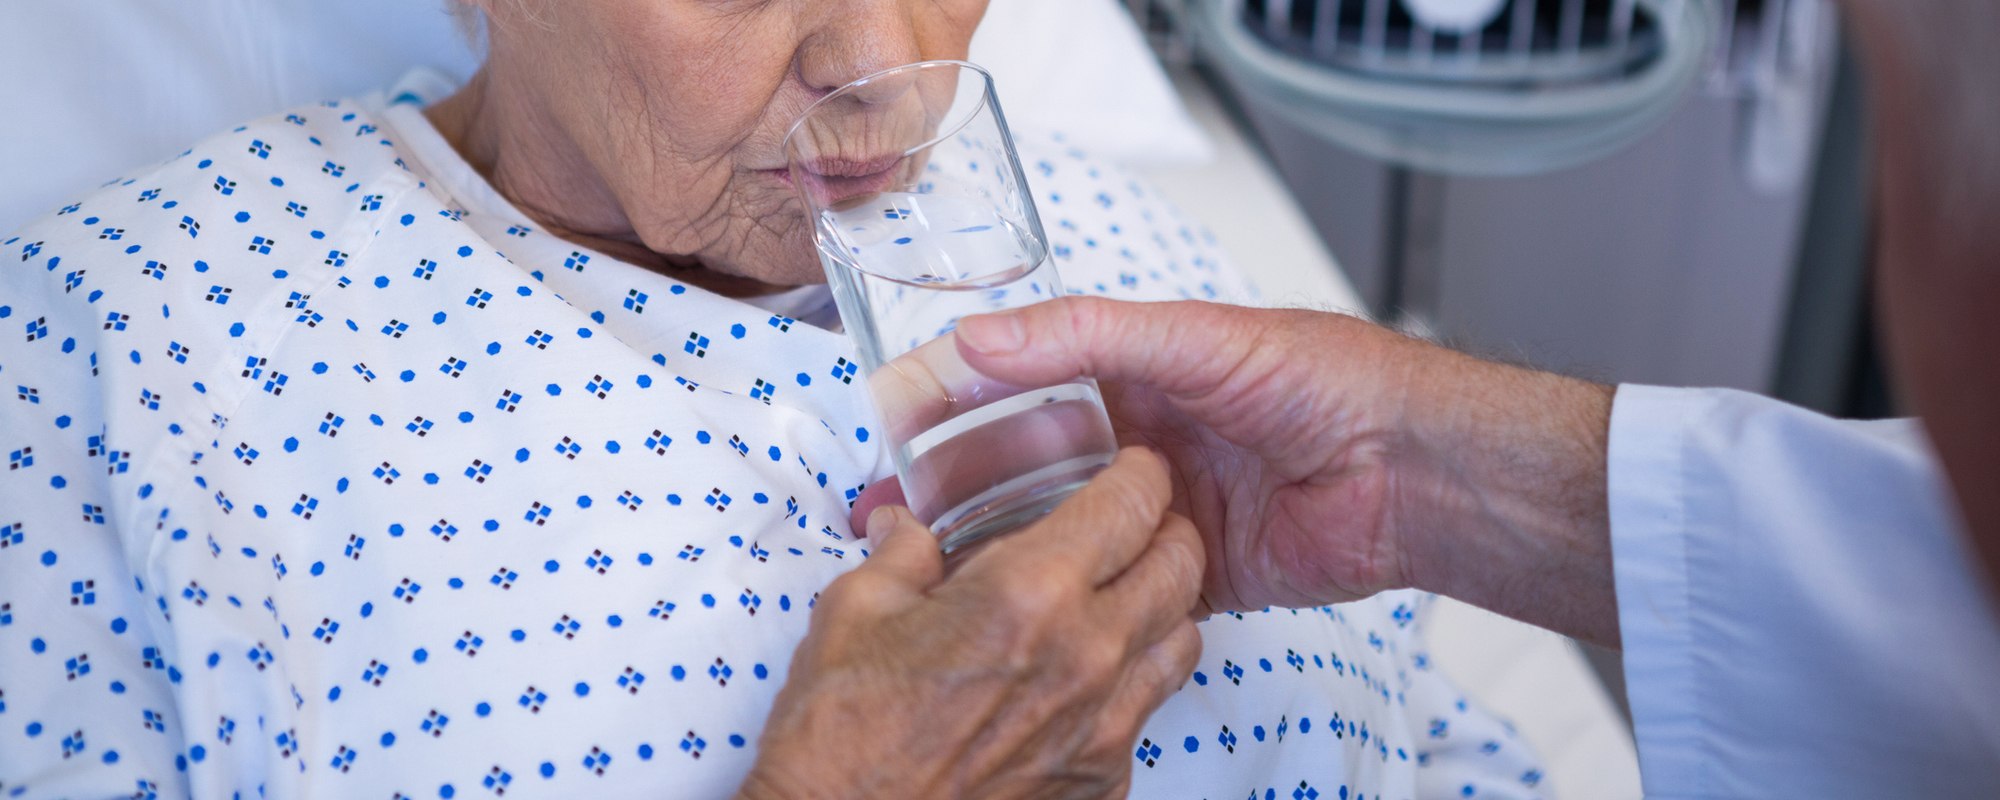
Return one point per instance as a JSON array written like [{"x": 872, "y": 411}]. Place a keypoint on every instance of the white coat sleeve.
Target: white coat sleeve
[{"x": 1801, "y": 615}]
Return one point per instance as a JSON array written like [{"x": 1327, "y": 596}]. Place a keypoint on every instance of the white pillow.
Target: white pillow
[
  {"x": 92, "y": 88},
  {"x": 1082, "y": 68}
]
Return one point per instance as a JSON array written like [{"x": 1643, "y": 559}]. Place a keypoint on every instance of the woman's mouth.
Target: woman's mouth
[
  {"x": 829, "y": 181},
  {"x": 838, "y": 167}
]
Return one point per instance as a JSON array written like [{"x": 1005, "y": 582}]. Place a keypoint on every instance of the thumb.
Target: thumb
[
  {"x": 885, "y": 492},
  {"x": 905, "y": 549},
  {"x": 1183, "y": 349}
]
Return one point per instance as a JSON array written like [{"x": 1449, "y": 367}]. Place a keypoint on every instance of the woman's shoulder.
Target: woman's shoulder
[
  {"x": 333, "y": 146},
  {"x": 1113, "y": 234},
  {"x": 195, "y": 263},
  {"x": 241, "y": 217}
]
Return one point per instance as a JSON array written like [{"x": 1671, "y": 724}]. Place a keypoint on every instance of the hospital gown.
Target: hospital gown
[{"x": 329, "y": 473}]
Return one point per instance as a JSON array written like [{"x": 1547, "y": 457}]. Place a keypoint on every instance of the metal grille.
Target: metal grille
[
  {"x": 1528, "y": 43},
  {"x": 1758, "y": 46}
]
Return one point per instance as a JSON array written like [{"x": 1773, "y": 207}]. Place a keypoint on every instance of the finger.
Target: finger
[
  {"x": 1155, "y": 676},
  {"x": 905, "y": 549},
  {"x": 1162, "y": 589},
  {"x": 928, "y": 385},
  {"x": 1098, "y": 532},
  {"x": 1182, "y": 348},
  {"x": 885, "y": 492}
]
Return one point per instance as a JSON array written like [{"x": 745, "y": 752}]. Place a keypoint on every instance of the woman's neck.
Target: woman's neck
[{"x": 544, "y": 174}]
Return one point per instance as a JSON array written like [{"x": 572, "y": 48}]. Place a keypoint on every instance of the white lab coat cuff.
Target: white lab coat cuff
[{"x": 1650, "y": 519}]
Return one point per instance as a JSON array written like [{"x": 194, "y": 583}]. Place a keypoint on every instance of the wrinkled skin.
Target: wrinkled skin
[
  {"x": 1026, "y": 673},
  {"x": 653, "y": 130},
  {"x": 1325, "y": 459}
]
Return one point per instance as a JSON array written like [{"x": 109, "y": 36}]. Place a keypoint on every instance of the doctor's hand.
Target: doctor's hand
[
  {"x": 1026, "y": 673},
  {"x": 1325, "y": 458}
]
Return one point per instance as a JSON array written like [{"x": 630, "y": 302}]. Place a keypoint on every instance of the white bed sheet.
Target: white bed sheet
[{"x": 1530, "y": 676}]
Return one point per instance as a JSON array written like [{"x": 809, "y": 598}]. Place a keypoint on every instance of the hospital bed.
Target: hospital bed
[{"x": 90, "y": 89}]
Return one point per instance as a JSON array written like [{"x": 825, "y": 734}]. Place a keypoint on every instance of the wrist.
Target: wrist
[
  {"x": 764, "y": 783},
  {"x": 757, "y": 787},
  {"x": 1503, "y": 499}
]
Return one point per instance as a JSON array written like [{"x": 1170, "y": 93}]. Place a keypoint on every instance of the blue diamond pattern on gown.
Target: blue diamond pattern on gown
[{"x": 328, "y": 472}]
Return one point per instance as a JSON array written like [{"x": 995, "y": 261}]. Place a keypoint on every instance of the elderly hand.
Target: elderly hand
[
  {"x": 1025, "y": 673},
  {"x": 1325, "y": 458}
]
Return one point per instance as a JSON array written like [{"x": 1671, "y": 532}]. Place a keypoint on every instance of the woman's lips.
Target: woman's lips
[
  {"x": 832, "y": 180},
  {"x": 837, "y": 167}
]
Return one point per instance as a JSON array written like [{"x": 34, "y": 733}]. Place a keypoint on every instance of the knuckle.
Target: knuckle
[
  {"x": 1172, "y": 589},
  {"x": 1110, "y": 743},
  {"x": 1098, "y": 659},
  {"x": 1133, "y": 488},
  {"x": 1082, "y": 316},
  {"x": 1121, "y": 729},
  {"x": 1176, "y": 659},
  {"x": 1007, "y": 645},
  {"x": 1185, "y": 647},
  {"x": 1078, "y": 309},
  {"x": 1167, "y": 667},
  {"x": 1039, "y": 593}
]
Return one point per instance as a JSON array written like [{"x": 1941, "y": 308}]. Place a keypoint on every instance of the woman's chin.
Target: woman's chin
[
  {"x": 794, "y": 275},
  {"x": 791, "y": 261},
  {"x": 755, "y": 277}
]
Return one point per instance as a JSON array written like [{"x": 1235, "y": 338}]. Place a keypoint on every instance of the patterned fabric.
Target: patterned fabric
[{"x": 328, "y": 473}]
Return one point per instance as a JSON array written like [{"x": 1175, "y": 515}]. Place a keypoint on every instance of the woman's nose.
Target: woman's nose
[{"x": 856, "y": 38}]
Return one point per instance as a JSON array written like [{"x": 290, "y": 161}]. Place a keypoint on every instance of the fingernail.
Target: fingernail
[
  {"x": 880, "y": 522},
  {"x": 992, "y": 335}
]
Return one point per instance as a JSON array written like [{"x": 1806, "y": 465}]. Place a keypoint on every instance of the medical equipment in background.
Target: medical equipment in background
[
  {"x": 1487, "y": 94},
  {"x": 1616, "y": 188}
]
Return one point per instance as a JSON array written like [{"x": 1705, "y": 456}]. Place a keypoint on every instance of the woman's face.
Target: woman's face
[{"x": 680, "y": 108}]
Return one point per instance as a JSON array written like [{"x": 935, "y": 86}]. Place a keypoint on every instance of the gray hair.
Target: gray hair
[{"x": 472, "y": 21}]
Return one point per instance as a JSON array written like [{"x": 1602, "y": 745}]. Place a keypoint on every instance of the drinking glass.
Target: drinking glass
[{"x": 921, "y": 215}]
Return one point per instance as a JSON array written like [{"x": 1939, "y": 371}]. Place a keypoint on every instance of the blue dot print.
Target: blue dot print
[{"x": 331, "y": 472}]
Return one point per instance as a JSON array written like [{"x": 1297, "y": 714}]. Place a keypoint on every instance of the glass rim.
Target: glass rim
[{"x": 985, "y": 101}]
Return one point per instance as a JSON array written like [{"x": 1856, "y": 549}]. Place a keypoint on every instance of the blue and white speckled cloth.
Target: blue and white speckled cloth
[{"x": 328, "y": 474}]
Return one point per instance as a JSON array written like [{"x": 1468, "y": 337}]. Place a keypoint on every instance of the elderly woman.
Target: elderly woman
[{"x": 505, "y": 445}]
